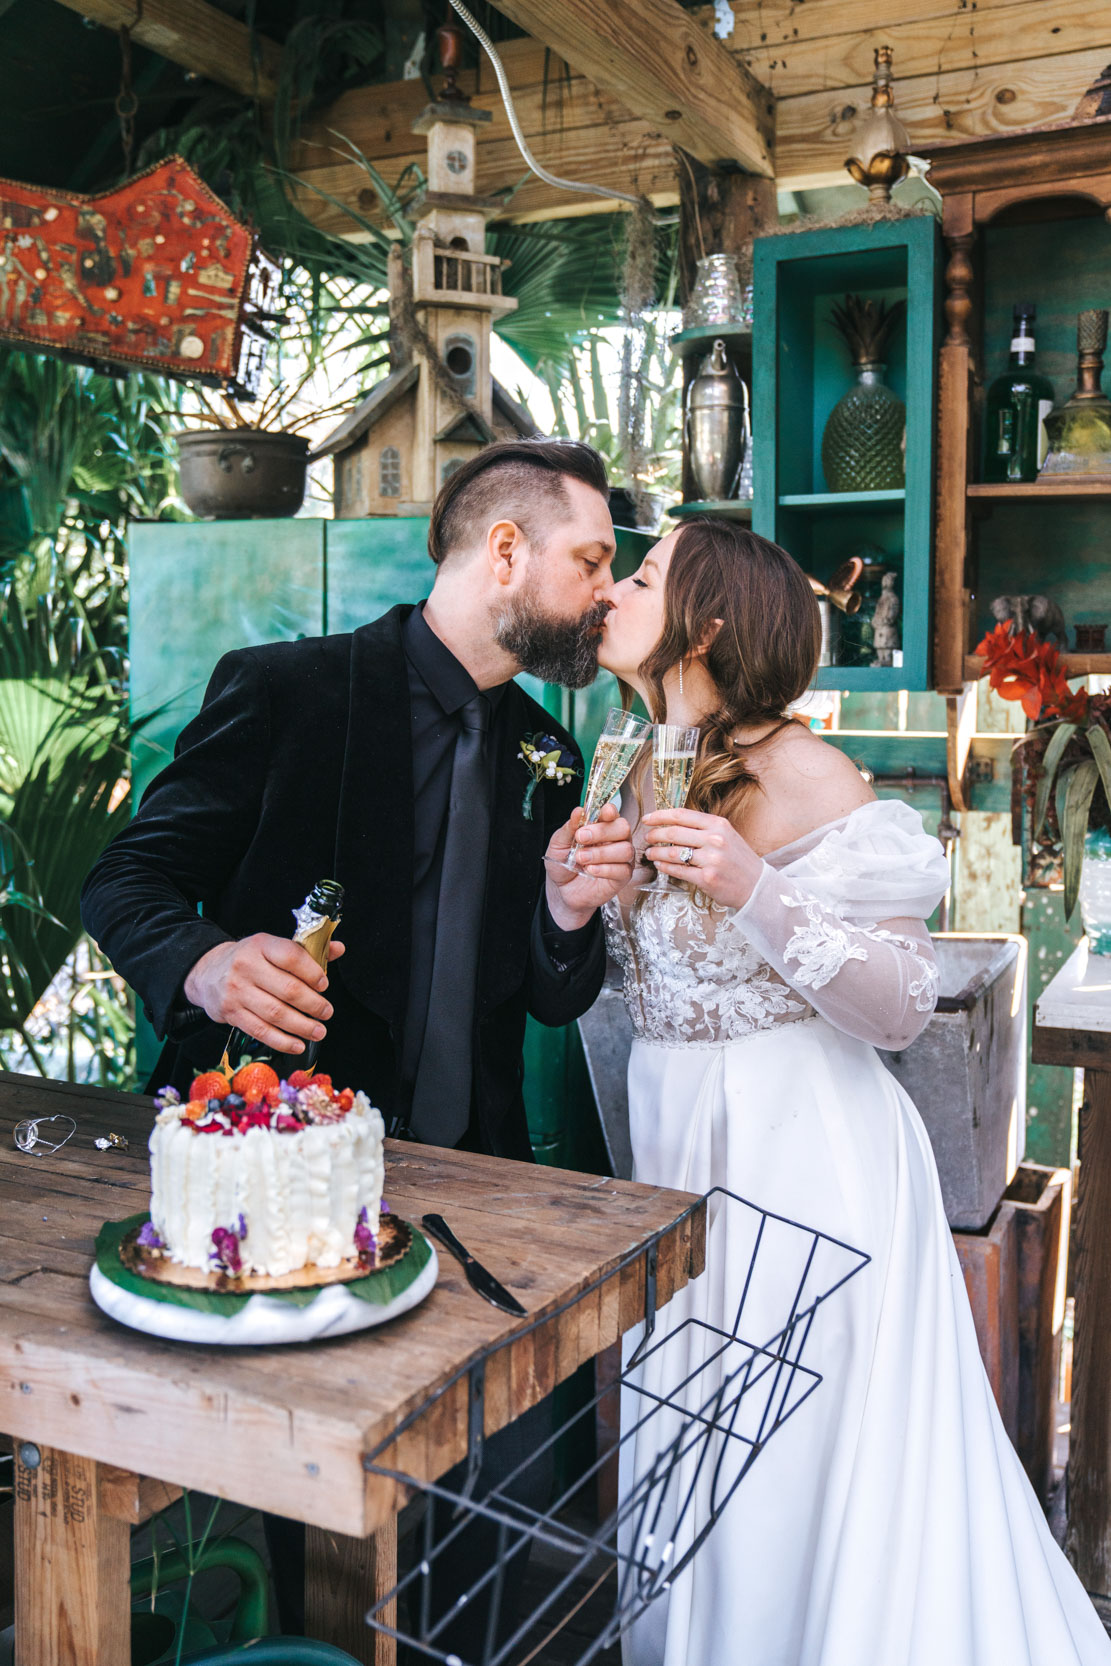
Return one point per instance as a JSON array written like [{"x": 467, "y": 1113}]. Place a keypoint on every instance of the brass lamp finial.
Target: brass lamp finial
[{"x": 879, "y": 158}]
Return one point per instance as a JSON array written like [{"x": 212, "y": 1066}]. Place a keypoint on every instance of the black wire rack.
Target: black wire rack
[{"x": 699, "y": 1402}]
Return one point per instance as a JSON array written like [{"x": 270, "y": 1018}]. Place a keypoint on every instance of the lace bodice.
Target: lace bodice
[{"x": 834, "y": 927}]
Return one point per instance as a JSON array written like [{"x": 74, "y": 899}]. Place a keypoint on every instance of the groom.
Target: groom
[{"x": 388, "y": 759}]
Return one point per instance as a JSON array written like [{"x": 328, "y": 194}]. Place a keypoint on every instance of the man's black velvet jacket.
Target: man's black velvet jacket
[{"x": 297, "y": 768}]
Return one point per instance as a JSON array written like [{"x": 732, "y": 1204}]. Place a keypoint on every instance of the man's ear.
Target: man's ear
[{"x": 505, "y": 544}]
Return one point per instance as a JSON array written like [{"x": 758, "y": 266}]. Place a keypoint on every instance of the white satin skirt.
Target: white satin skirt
[{"x": 887, "y": 1520}]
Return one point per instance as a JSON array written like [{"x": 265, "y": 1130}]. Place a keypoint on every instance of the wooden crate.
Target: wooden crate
[
  {"x": 1040, "y": 1197},
  {"x": 989, "y": 1261}
]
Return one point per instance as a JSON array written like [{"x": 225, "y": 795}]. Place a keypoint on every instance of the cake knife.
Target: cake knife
[{"x": 477, "y": 1277}]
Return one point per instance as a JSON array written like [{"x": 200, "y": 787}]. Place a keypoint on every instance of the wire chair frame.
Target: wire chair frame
[{"x": 699, "y": 1466}]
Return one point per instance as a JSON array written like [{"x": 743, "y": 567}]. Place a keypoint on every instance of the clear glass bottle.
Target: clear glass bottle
[
  {"x": 315, "y": 921},
  {"x": 1017, "y": 404}
]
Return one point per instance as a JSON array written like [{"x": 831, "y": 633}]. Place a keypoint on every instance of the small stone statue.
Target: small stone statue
[
  {"x": 885, "y": 622},
  {"x": 1031, "y": 613}
]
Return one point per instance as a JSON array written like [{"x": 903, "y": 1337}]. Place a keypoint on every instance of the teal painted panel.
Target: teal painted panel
[
  {"x": 1050, "y": 1130},
  {"x": 1031, "y": 547},
  {"x": 800, "y": 370},
  {"x": 1060, "y": 265},
  {"x": 374, "y": 564},
  {"x": 200, "y": 589}
]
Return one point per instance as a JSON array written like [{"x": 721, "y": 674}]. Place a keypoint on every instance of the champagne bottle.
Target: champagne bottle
[
  {"x": 1015, "y": 443},
  {"x": 315, "y": 921}
]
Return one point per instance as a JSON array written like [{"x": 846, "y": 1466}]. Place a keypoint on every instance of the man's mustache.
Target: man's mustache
[{"x": 596, "y": 617}]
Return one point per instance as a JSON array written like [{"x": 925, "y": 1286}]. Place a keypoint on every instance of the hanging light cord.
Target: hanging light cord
[{"x": 522, "y": 144}]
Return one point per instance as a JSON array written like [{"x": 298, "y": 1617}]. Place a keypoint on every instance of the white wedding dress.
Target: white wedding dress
[{"x": 888, "y": 1521}]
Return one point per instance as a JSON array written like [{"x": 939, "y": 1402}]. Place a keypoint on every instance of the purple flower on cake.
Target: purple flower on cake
[
  {"x": 148, "y": 1237},
  {"x": 366, "y": 1241},
  {"x": 242, "y": 1226},
  {"x": 287, "y": 1094},
  {"x": 383, "y": 1207},
  {"x": 165, "y": 1097},
  {"x": 226, "y": 1253}
]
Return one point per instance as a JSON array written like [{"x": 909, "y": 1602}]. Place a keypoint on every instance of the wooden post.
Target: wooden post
[
  {"x": 1089, "y": 1472},
  {"x": 719, "y": 213},
  {"x": 72, "y": 1564},
  {"x": 343, "y": 1578},
  {"x": 954, "y": 463}
]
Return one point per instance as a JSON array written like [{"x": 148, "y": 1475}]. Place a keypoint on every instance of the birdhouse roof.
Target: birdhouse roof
[
  {"x": 396, "y": 385},
  {"x": 378, "y": 401}
]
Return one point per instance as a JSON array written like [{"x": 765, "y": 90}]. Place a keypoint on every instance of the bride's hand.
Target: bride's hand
[{"x": 722, "y": 864}]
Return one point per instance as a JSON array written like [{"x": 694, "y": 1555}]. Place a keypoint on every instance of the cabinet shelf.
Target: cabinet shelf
[
  {"x": 841, "y": 500},
  {"x": 801, "y": 371},
  {"x": 1076, "y": 665},
  {"x": 1053, "y": 489},
  {"x": 704, "y": 335},
  {"x": 726, "y": 509}
]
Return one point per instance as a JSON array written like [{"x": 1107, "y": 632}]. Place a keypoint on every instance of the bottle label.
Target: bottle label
[
  {"x": 1022, "y": 344},
  {"x": 1044, "y": 408}
]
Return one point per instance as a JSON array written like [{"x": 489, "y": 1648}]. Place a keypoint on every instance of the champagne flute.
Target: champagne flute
[
  {"x": 674, "y": 750},
  {"x": 617, "y": 751}
]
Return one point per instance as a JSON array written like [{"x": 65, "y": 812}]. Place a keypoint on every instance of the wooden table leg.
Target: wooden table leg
[
  {"x": 343, "y": 1578},
  {"x": 72, "y": 1564},
  {"x": 1089, "y": 1471}
]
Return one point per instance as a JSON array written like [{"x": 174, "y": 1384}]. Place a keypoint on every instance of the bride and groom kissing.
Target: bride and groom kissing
[{"x": 894, "y": 1512}]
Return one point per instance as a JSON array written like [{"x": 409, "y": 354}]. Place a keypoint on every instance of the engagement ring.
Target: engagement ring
[{"x": 686, "y": 855}]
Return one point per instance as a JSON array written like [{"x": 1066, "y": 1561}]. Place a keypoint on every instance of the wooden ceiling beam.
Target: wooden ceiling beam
[
  {"x": 197, "y": 36},
  {"x": 664, "y": 67},
  {"x": 575, "y": 130}
]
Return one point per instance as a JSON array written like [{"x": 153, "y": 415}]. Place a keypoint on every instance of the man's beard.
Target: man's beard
[{"x": 563, "y": 651}]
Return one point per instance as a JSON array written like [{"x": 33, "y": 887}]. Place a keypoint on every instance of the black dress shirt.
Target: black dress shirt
[{"x": 439, "y": 688}]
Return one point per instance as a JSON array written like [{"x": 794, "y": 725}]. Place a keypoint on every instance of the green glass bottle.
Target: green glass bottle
[
  {"x": 1015, "y": 443},
  {"x": 315, "y": 921}
]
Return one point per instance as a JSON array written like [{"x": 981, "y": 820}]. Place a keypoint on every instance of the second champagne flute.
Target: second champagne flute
[
  {"x": 674, "y": 750},
  {"x": 617, "y": 751}
]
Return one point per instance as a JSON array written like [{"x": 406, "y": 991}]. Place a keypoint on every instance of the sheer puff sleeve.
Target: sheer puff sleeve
[{"x": 841, "y": 916}]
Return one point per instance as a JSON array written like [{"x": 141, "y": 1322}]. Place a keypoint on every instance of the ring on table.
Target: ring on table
[{"x": 686, "y": 855}]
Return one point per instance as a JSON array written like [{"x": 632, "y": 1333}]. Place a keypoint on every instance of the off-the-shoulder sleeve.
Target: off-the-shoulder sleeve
[{"x": 845, "y": 923}]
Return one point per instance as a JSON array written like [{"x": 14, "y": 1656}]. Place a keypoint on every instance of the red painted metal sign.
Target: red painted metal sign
[{"x": 157, "y": 273}]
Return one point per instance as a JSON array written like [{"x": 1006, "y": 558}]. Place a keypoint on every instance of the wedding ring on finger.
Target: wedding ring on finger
[{"x": 686, "y": 855}]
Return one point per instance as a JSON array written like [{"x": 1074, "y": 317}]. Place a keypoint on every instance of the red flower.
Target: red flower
[{"x": 1020, "y": 667}]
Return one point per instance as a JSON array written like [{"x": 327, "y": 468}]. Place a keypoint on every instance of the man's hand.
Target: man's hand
[
  {"x": 604, "y": 865},
  {"x": 269, "y": 987}
]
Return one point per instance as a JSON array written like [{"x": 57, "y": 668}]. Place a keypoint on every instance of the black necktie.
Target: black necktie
[{"x": 442, "y": 1093}]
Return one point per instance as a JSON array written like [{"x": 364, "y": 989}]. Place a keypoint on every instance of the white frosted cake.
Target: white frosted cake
[{"x": 258, "y": 1176}]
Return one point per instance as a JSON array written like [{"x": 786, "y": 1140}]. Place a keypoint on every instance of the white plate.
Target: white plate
[{"x": 261, "y": 1321}]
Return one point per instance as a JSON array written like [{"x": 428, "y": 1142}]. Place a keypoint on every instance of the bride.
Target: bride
[{"x": 888, "y": 1522}]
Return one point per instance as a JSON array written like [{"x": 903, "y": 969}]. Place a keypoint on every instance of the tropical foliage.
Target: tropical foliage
[{"x": 83, "y": 452}]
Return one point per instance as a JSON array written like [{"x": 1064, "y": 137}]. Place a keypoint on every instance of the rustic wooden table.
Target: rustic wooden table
[
  {"x": 108, "y": 1423},
  {"x": 1072, "y": 1026}
]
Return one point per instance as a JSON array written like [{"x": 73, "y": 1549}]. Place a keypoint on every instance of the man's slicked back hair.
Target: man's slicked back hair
[{"x": 511, "y": 480}]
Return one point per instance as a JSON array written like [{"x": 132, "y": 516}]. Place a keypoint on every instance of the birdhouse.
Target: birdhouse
[{"x": 439, "y": 404}]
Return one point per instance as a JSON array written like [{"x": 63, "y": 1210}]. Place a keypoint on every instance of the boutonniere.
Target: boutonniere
[{"x": 546, "y": 761}]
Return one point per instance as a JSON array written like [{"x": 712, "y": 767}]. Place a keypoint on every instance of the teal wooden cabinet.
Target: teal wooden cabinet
[
  {"x": 202, "y": 588},
  {"x": 801, "y": 368}
]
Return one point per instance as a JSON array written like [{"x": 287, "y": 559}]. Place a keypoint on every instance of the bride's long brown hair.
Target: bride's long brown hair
[{"x": 761, "y": 658}]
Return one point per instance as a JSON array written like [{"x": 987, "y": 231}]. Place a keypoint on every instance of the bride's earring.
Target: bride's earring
[{"x": 680, "y": 677}]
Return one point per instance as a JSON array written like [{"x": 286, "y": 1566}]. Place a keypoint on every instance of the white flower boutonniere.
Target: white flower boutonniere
[{"x": 547, "y": 761}]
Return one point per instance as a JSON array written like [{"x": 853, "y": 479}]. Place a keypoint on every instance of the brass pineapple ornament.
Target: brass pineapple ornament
[{"x": 864, "y": 444}]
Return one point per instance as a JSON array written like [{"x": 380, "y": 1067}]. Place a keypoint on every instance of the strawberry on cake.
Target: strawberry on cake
[{"x": 255, "y": 1175}]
